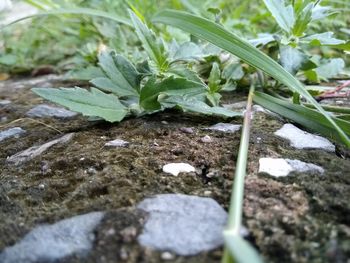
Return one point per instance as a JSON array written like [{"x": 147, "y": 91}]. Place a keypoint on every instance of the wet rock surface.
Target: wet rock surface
[
  {"x": 185, "y": 225},
  {"x": 302, "y": 218},
  {"x": 49, "y": 243}
]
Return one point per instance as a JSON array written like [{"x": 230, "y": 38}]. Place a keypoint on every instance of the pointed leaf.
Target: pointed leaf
[
  {"x": 284, "y": 15},
  {"x": 89, "y": 103},
  {"x": 325, "y": 38},
  {"x": 292, "y": 59},
  {"x": 153, "y": 45},
  {"x": 122, "y": 77}
]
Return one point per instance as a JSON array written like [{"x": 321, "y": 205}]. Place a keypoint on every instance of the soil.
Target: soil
[{"x": 299, "y": 218}]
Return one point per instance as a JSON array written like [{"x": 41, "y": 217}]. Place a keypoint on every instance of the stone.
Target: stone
[
  {"x": 236, "y": 106},
  {"x": 303, "y": 140},
  {"x": 44, "y": 110},
  {"x": 176, "y": 168},
  {"x": 34, "y": 151},
  {"x": 182, "y": 224},
  {"x": 187, "y": 130},
  {"x": 206, "y": 139},
  {"x": 224, "y": 127},
  {"x": 12, "y": 132},
  {"x": 117, "y": 143},
  {"x": 4, "y": 102},
  {"x": 50, "y": 243},
  {"x": 279, "y": 167}
]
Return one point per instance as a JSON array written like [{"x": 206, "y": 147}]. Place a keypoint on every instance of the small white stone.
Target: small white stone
[
  {"x": 176, "y": 168},
  {"x": 301, "y": 139},
  {"x": 117, "y": 143},
  {"x": 275, "y": 167},
  {"x": 4, "y": 102},
  {"x": 41, "y": 186},
  {"x": 167, "y": 256},
  {"x": 224, "y": 127},
  {"x": 206, "y": 139},
  {"x": 279, "y": 167}
]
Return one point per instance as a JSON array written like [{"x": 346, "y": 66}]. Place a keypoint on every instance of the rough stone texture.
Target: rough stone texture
[
  {"x": 183, "y": 224},
  {"x": 304, "y": 140},
  {"x": 44, "y": 110},
  {"x": 279, "y": 167},
  {"x": 117, "y": 143},
  {"x": 224, "y": 127},
  {"x": 176, "y": 168},
  {"x": 49, "y": 243},
  {"x": 206, "y": 139},
  {"x": 13, "y": 132},
  {"x": 34, "y": 151}
]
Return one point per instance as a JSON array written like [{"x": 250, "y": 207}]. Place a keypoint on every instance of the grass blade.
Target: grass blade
[
  {"x": 219, "y": 36},
  {"x": 77, "y": 11},
  {"x": 236, "y": 248}
]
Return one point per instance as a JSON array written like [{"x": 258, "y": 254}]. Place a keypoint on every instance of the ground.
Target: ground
[{"x": 299, "y": 218}]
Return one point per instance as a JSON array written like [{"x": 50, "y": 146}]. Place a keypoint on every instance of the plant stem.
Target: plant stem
[{"x": 236, "y": 202}]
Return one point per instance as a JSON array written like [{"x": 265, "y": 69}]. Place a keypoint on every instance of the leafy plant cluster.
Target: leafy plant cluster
[{"x": 125, "y": 89}]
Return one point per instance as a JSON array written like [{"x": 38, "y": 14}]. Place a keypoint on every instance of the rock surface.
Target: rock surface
[
  {"x": 303, "y": 140},
  {"x": 34, "y": 151},
  {"x": 183, "y": 224},
  {"x": 12, "y": 132},
  {"x": 279, "y": 167},
  {"x": 4, "y": 102},
  {"x": 49, "y": 243},
  {"x": 176, "y": 168},
  {"x": 44, "y": 110},
  {"x": 224, "y": 127}
]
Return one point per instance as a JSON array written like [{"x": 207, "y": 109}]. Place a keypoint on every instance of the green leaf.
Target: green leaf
[
  {"x": 188, "y": 51},
  {"x": 8, "y": 60},
  {"x": 89, "y": 103},
  {"x": 233, "y": 71},
  {"x": 303, "y": 20},
  {"x": 284, "y": 15},
  {"x": 193, "y": 105},
  {"x": 330, "y": 68},
  {"x": 240, "y": 249},
  {"x": 154, "y": 46},
  {"x": 325, "y": 38},
  {"x": 170, "y": 87},
  {"x": 214, "y": 78},
  {"x": 184, "y": 72},
  {"x": 307, "y": 117},
  {"x": 121, "y": 79},
  {"x": 226, "y": 40},
  {"x": 292, "y": 59},
  {"x": 262, "y": 40}
]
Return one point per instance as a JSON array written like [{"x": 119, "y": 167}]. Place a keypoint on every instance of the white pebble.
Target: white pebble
[{"x": 176, "y": 168}]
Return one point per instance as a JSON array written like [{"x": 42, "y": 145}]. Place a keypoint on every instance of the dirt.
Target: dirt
[{"x": 300, "y": 218}]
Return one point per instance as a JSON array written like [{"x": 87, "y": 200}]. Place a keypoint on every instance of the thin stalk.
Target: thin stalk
[
  {"x": 236, "y": 202},
  {"x": 336, "y": 109}
]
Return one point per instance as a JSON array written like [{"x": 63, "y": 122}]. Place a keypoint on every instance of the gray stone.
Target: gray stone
[
  {"x": 4, "y": 102},
  {"x": 224, "y": 127},
  {"x": 303, "y": 140},
  {"x": 182, "y": 224},
  {"x": 206, "y": 139},
  {"x": 279, "y": 167},
  {"x": 13, "y": 132},
  {"x": 44, "y": 110},
  {"x": 187, "y": 130},
  {"x": 34, "y": 151},
  {"x": 49, "y": 243},
  {"x": 117, "y": 143}
]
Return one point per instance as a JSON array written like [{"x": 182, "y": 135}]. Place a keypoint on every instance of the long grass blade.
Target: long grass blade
[
  {"x": 219, "y": 36},
  {"x": 77, "y": 11}
]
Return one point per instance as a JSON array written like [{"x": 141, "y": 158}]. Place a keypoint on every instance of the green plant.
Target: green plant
[
  {"x": 295, "y": 41},
  {"x": 129, "y": 90}
]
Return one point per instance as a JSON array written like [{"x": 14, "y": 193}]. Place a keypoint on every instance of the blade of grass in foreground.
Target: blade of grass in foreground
[
  {"x": 78, "y": 11},
  {"x": 219, "y": 36},
  {"x": 236, "y": 248}
]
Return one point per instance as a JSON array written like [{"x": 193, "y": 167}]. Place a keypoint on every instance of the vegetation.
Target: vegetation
[{"x": 144, "y": 63}]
